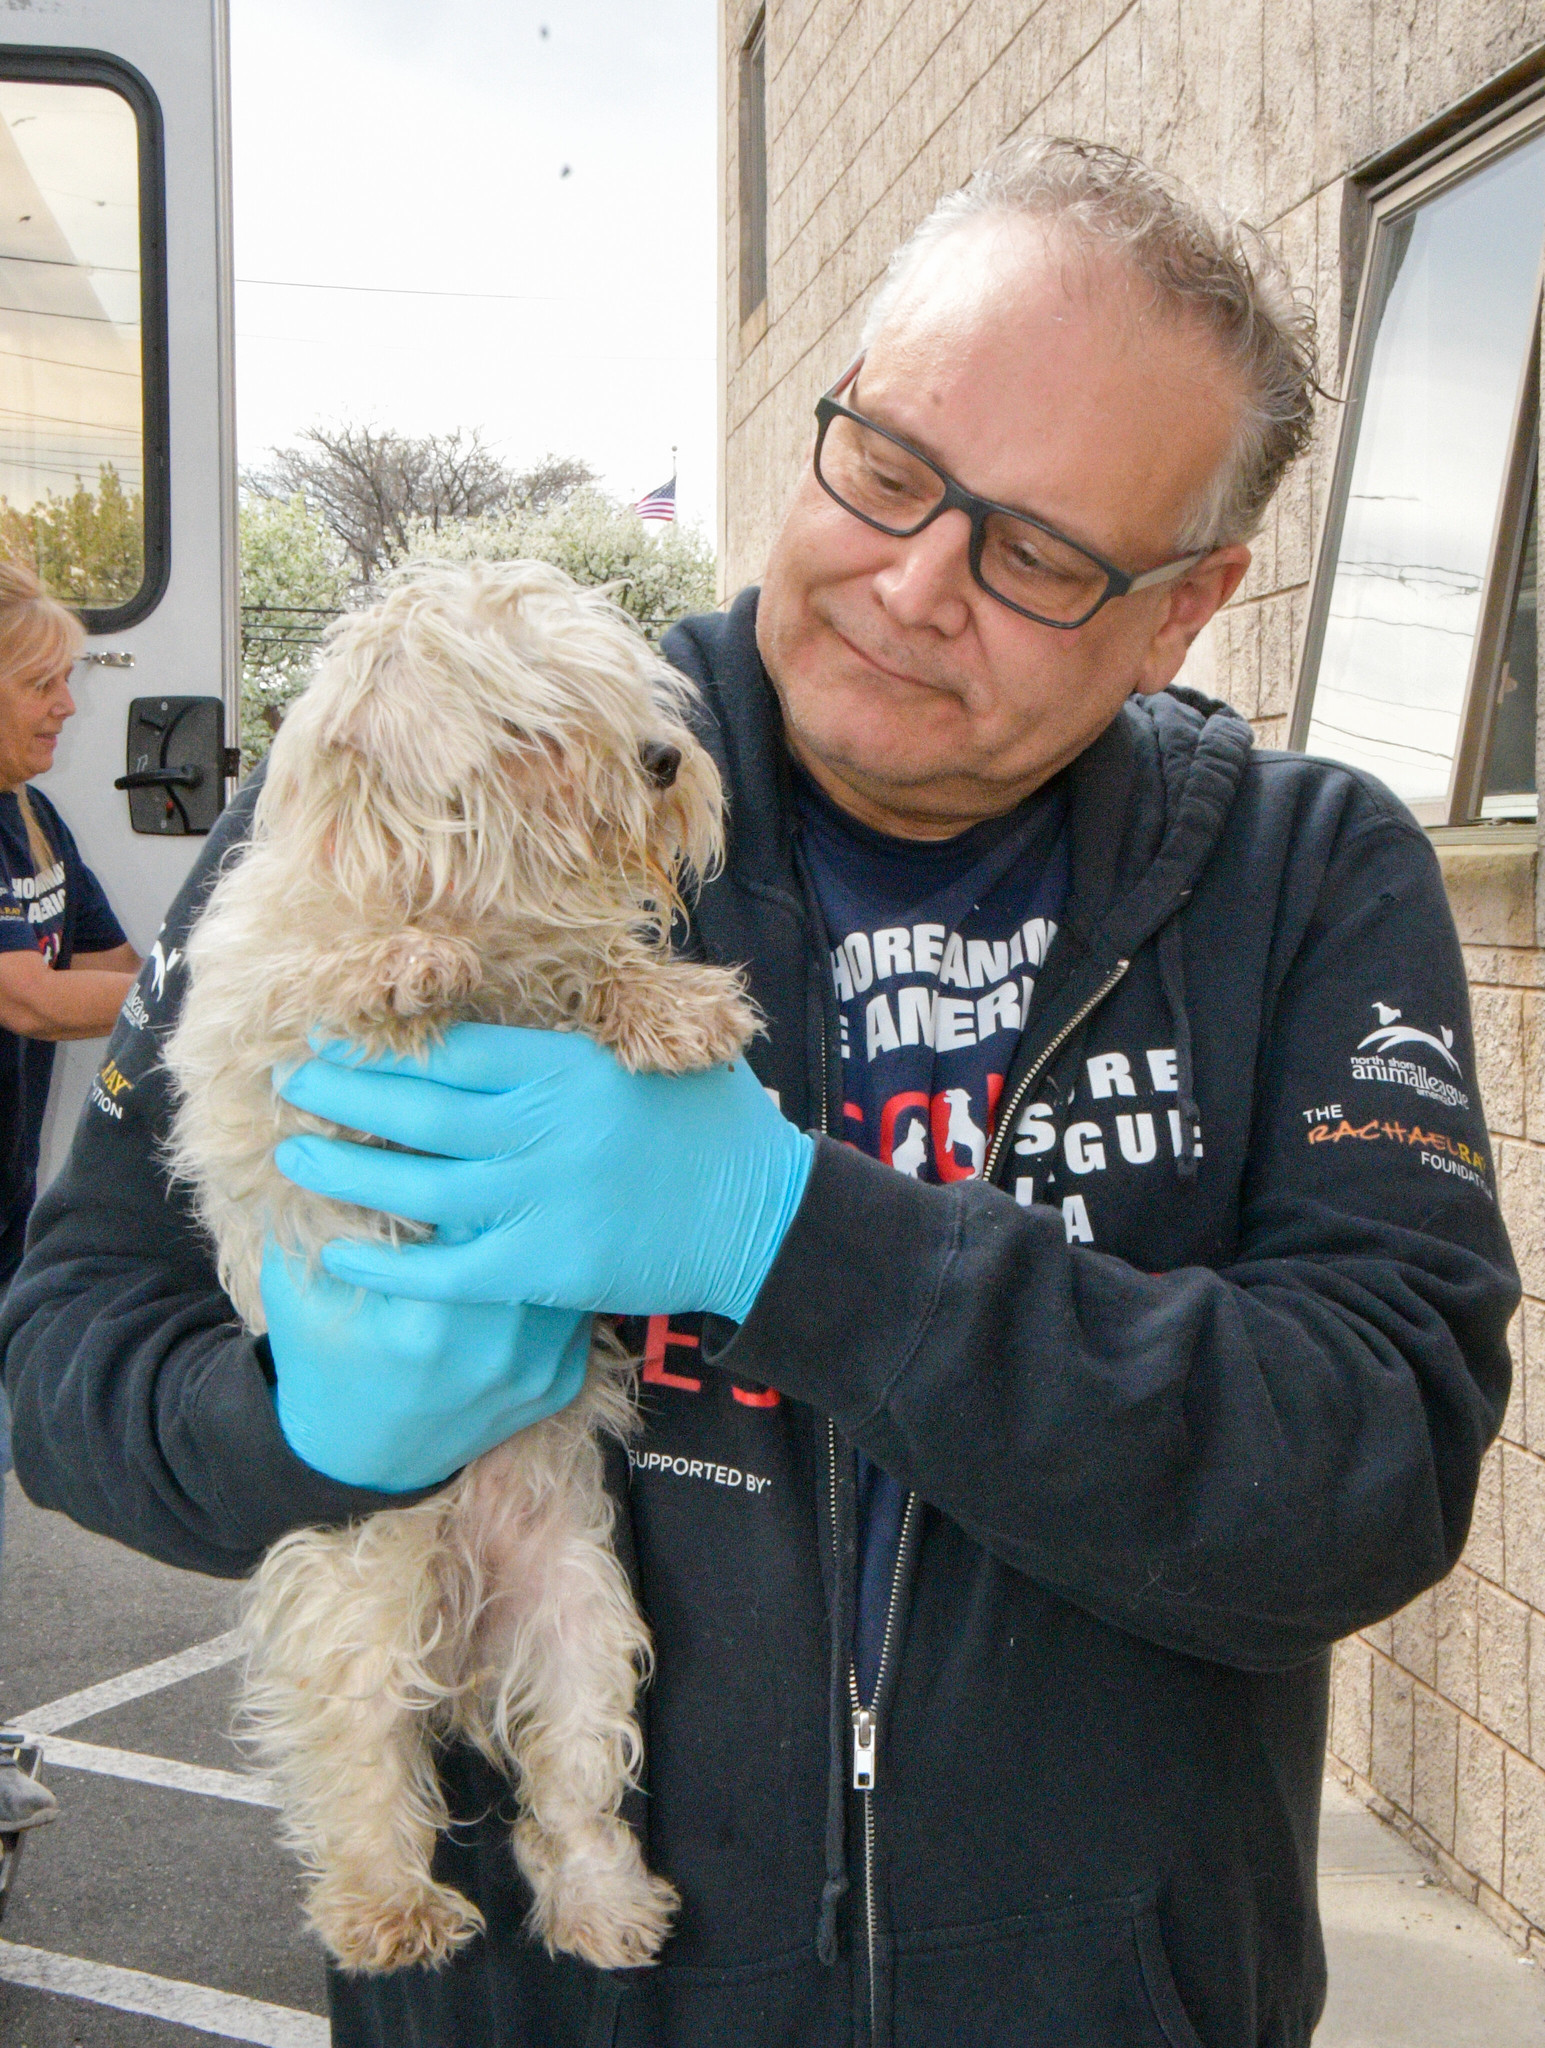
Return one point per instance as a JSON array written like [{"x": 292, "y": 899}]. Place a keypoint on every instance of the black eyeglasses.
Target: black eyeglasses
[{"x": 1022, "y": 562}]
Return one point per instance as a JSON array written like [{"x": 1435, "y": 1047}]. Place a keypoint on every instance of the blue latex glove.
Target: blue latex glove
[
  {"x": 561, "y": 1177},
  {"x": 377, "y": 1391}
]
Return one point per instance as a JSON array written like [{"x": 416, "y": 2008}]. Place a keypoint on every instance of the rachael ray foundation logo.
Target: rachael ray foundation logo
[
  {"x": 108, "y": 1087},
  {"x": 1381, "y": 1056}
]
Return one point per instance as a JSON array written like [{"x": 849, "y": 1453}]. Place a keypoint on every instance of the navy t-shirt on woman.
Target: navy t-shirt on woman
[
  {"x": 57, "y": 913},
  {"x": 935, "y": 945}
]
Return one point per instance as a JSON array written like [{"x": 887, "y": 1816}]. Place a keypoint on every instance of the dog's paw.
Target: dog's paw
[
  {"x": 417, "y": 971},
  {"x": 727, "y": 1026},
  {"x": 597, "y": 1901},
  {"x": 677, "y": 1019},
  {"x": 611, "y": 1933},
  {"x": 426, "y": 1926}
]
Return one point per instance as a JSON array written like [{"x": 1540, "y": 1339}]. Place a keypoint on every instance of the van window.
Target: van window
[{"x": 75, "y": 470}]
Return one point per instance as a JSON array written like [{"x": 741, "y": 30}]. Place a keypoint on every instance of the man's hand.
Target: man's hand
[
  {"x": 560, "y": 1178},
  {"x": 393, "y": 1394}
]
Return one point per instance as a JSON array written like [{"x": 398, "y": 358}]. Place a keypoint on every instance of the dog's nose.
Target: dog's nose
[{"x": 659, "y": 760}]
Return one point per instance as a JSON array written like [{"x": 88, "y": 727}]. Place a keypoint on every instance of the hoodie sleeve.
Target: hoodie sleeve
[
  {"x": 1241, "y": 1462},
  {"x": 141, "y": 1408}
]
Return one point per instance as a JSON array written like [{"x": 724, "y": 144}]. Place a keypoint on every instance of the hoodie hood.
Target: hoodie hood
[{"x": 1167, "y": 768}]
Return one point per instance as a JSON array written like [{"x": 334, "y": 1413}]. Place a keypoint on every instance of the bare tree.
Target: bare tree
[
  {"x": 549, "y": 484},
  {"x": 371, "y": 484}
]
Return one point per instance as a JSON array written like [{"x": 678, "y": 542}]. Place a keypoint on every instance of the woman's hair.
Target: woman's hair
[
  {"x": 37, "y": 633},
  {"x": 1199, "y": 262},
  {"x": 37, "y": 636}
]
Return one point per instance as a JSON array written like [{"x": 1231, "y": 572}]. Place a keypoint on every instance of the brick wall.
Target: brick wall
[
  {"x": 876, "y": 107},
  {"x": 1438, "y": 1715}
]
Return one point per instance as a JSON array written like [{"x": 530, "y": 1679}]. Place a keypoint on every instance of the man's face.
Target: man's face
[{"x": 1041, "y": 377}]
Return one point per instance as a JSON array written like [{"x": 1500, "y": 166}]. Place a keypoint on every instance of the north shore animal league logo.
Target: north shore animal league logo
[{"x": 1379, "y": 1057}]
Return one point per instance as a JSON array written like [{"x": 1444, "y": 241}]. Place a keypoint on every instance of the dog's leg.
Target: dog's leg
[
  {"x": 347, "y": 1633},
  {"x": 573, "y": 1647},
  {"x": 671, "y": 1016}
]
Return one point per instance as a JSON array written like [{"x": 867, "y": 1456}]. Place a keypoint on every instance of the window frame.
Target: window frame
[
  {"x": 752, "y": 190},
  {"x": 1379, "y": 193},
  {"x": 1478, "y": 714},
  {"x": 43, "y": 65}
]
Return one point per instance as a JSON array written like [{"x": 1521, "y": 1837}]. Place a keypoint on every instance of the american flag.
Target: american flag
[{"x": 660, "y": 503}]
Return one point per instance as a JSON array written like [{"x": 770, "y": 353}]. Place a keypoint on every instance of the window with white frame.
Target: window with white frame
[{"x": 1421, "y": 657}]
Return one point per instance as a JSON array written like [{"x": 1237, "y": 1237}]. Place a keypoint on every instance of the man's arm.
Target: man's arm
[
  {"x": 1242, "y": 1464},
  {"x": 141, "y": 1408}
]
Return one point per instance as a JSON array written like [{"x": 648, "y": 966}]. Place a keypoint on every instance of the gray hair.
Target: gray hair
[{"x": 1199, "y": 262}]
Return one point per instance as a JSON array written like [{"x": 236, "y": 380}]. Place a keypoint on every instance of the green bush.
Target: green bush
[
  {"x": 87, "y": 547},
  {"x": 658, "y": 574},
  {"x": 295, "y": 577},
  {"x": 294, "y": 580}
]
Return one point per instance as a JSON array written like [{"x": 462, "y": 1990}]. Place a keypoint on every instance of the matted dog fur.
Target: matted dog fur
[{"x": 484, "y": 806}]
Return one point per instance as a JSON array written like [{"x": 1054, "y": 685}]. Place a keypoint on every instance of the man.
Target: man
[{"x": 996, "y": 1516}]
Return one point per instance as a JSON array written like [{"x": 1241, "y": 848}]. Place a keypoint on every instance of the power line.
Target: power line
[
  {"x": 128, "y": 475},
  {"x": 47, "y": 313},
  {"x": 69, "y": 263},
  {"x": 63, "y": 363},
  {"x": 59, "y": 419},
  {"x": 403, "y": 291},
  {"x": 299, "y": 284},
  {"x": 321, "y": 611}
]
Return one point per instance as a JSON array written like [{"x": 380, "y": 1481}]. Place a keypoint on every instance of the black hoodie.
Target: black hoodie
[{"x": 1215, "y": 1397}]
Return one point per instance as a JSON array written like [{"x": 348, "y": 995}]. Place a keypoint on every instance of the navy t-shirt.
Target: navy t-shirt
[
  {"x": 58, "y": 913},
  {"x": 935, "y": 945}
]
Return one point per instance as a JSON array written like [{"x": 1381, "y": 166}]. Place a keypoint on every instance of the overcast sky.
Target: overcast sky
[{"x": 390, "y": 143}]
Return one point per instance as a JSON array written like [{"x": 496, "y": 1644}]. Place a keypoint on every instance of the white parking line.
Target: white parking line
[
  {"x": 221, "y": 2013},
  {"x": 131, "y": 1685},
  {"x": 247, "y": 1789}
]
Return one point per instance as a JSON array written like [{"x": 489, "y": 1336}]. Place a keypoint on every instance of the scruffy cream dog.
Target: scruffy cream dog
[{"x": 483, "y": 807}]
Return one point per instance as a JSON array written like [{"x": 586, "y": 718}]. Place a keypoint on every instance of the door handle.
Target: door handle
[
  {"x": 187, "y": 777},
  {"x": 177, "y": 764}
]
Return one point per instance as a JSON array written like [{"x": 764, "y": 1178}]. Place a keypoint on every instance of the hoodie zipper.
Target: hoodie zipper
[
  {"x": 866, "y": 1743},
  {"x": 866, "y": 1719},
  {"x": 1038, "y": 1066}
]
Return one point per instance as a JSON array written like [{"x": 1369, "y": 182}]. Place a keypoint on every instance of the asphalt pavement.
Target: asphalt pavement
[
  {"x": 158, "y": 1911},
  {"x": 150, "y": 1914}
]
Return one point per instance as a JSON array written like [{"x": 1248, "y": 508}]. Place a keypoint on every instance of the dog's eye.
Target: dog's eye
[{"x": 659, "y": 761}]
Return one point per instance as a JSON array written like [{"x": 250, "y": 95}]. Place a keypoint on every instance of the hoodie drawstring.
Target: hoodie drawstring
[{"x": 1172, "y": 979}]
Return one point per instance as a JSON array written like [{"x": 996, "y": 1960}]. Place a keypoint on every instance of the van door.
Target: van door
[{"x": 117, "y": 440}]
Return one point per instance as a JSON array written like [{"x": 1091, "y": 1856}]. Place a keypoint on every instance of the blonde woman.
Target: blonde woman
[{"x": 65, "y": 965}]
